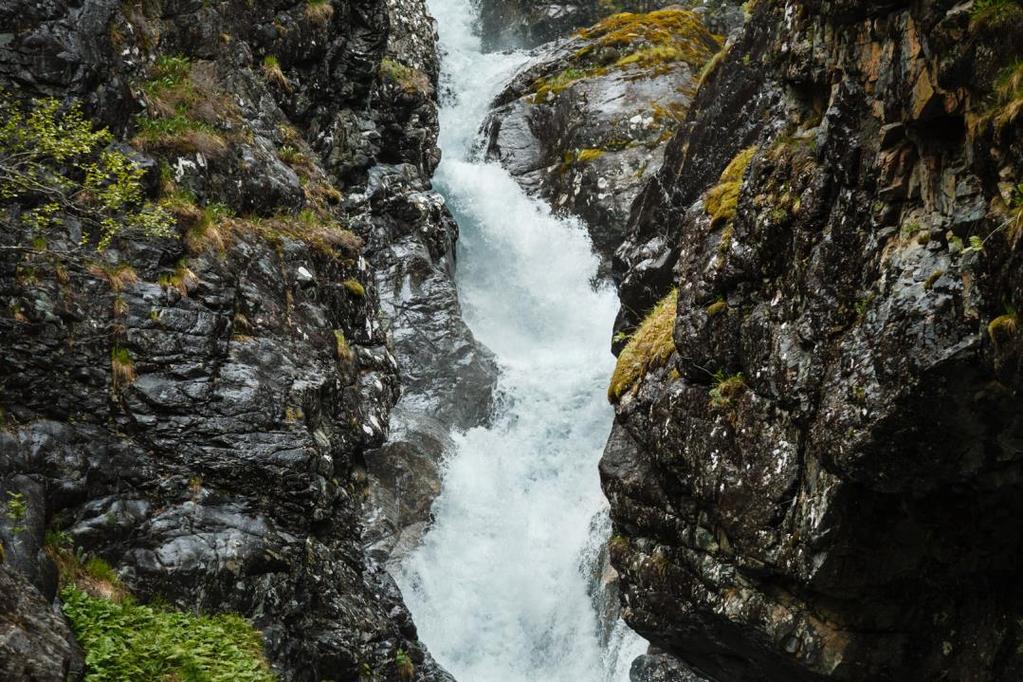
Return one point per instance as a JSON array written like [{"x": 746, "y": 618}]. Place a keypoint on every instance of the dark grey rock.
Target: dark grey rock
[{"x": 851, "y": 511}]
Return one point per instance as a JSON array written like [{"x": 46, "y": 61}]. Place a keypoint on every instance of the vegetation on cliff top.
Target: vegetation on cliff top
[
  {"x": 653, "y": 41},
  {"x": 649, "y": 347}
]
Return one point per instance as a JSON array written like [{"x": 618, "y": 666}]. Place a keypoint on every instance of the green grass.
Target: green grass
[
  {"x": 995, "y": 14},
  {"x": 124, "y": 640},
  {"x": 726, "y": 388}
]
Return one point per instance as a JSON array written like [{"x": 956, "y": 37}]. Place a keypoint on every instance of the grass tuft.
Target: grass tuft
[
  {"x": 122, "y": 367},
  {"x": 273, "y": 72},
  {"x": 649, "y": 347},
  {"x": 992, "y": 15},
  {"x": 726, "y": 388},
  {"x": 407, "y": 78},
  {"x": 319, "y": 11}
]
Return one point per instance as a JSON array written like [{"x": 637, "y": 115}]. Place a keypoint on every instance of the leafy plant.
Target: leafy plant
[
  {"x": 403, "y": 662},
  {"x": 62, "y": 170},
  {"x": 16, "y": 511},
  {"x": 124, "y": 640}
]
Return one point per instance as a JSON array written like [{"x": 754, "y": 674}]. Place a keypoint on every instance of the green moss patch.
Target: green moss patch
[{"x": 649, "y": 347}]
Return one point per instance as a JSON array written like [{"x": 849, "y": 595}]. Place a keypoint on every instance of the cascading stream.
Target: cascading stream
[{"x": 502, "y": 588}]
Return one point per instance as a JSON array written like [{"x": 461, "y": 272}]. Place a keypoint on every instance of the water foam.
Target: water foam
[{"x": 502, "y": 586}]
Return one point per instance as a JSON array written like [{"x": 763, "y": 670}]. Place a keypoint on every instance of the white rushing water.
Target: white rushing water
[{"x": 501, "y": 588}]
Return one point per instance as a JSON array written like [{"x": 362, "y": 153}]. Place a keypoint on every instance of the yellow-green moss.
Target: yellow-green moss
[
  {"x": 932, "y": 279},
  {"x": 652, "y": 41},
  {"x": 1003, "y": 329},
  {"x": 649, "y": 347},
  {"x": 344, "y": 351},
  {"x": 679, "y": 33},
  {"x": 717, "y": 308},
  {"x": 721, "y": 201},
  {"x": 587, "y": 155},
  {"x": 355, "y": 288}
]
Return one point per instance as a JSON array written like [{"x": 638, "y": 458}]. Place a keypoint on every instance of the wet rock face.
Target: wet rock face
[
  {"x": 824, "y": 482},
  {"x": 199, "y": 411},
  {"x": 448, "y": 379},
  {"x": 35, "y": 642},
  {"x": 584, "y": 125}
]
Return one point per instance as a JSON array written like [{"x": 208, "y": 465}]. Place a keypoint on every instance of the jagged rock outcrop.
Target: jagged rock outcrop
[
  {"x": 585, "y": 124},
  {"x": 817, "y": 475},
  {"x": 198, "y": 411}
]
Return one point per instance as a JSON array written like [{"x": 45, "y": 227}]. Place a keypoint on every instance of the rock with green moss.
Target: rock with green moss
[
  {"x": 585, "y": 125},
  {"x": 847, "y": 355}
]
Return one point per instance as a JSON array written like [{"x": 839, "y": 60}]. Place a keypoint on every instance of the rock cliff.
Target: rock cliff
[
  {"x": 815, "y": 469},
  {"x": 198, "y": 310}
]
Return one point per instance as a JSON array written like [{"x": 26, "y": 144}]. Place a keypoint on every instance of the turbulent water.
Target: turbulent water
[{"x": 503, "y": 588}]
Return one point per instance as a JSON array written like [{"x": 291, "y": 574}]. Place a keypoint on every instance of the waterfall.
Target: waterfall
[{"x": 505, "y": 587}]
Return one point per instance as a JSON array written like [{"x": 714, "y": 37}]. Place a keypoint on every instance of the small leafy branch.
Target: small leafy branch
[
  {"x": 16, "y": 511},
  {"x": 1012, "y": 226},
  {"x": 53, "y": 162}
]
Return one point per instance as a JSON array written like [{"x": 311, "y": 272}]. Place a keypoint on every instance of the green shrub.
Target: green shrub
[
  {"x": 59, "y": 167},
  {"x": 124, "y": 640}
]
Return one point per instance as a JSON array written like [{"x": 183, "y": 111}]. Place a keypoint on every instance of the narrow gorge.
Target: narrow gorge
[{"x": 511, "y": 341}]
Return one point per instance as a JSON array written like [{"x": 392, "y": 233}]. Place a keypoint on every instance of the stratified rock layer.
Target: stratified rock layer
[
  {"x": 226, "y": 468},
  {"x": 826, "y": 481}
]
